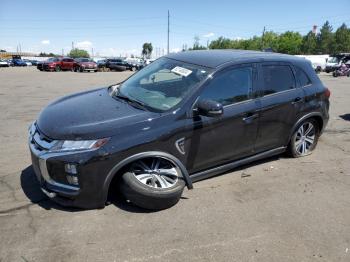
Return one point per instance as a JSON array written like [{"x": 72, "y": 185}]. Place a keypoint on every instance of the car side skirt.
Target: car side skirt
[{"x": 221, "y": 169}]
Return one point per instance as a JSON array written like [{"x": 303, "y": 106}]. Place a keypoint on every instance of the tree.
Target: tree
[
  {"x": 342, "y": 39},
  {"x": 309, "y": 44},
  {"x": 269, "y": 40},
  {"x": 197, "y": 45},
  {"x": 220, "y": 43},
  {"x": 290, "y": 43},
  {"x": 326, "y": 42},
  {"x": 43, "y": 54},
  {"x": 75, "y": 53},
  {"x": 147, "y": 49},
  {"x": 325, "y": 39}
]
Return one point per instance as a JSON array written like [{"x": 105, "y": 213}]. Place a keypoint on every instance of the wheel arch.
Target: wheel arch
[
  {"x": 314, "y": 115},
  {"x": 119, "y": 166}
]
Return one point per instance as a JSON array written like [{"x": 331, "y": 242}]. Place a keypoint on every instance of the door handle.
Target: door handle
[
  {"x": 297, "y": 100},
  {"x": 250, "y": 117}
]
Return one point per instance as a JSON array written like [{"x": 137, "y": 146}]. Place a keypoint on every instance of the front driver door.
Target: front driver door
[{"x": 217, "y": 140}]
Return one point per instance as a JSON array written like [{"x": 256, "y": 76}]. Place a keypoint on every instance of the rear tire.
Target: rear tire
[
  {"x": 304, "y": 138},
  {"x": 152, "y": 183}
]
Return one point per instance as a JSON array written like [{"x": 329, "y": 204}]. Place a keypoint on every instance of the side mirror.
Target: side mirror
[{"x": 209, "y": 108}]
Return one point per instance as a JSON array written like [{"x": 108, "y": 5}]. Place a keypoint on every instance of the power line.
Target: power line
[
  {"x": 79, "y": 20},
  {"x": 168, "y": 32}
]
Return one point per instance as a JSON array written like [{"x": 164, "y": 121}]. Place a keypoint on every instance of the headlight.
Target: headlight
[
  {"x": 31, "y": 129},
  {"x": 70, "y": 145}
]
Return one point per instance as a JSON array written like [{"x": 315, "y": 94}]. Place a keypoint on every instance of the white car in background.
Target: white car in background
[
  {"x": 28, "y": 62},
  {"x": 318, "y": 62},
  {"x": 148, "y": 61},
  {"x": 4, "y": 63}
]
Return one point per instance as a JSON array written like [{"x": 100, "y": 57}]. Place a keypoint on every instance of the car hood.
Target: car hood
[{"x": 90, "y": 115}]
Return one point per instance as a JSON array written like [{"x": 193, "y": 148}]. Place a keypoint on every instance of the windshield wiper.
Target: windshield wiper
[{"x": 132, "y": 101}]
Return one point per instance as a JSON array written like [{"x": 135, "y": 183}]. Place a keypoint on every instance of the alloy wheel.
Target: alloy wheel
[
  {"x": 155, "y": 172},
  {"x": 305, "y": 138}
]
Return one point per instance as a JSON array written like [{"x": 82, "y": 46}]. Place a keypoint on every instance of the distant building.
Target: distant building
[
  {"x": 314, "y": 29},
  {"x": 7, "y": 55}
]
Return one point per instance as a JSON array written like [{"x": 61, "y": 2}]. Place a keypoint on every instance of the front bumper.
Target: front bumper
[
  {"x": 90, "y": 68},
  {"x": 49, "y": 170}
]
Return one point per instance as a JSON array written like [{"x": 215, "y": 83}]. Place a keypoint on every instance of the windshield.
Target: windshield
[
  {"x": 84, "y": 60},
  {"x": 333, "y": 60},
  {"x": 52, "y": 59},
  {"x": 164, "y": 83}
]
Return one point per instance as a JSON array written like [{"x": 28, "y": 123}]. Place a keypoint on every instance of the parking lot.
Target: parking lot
[{"x": 279, "y": 209}]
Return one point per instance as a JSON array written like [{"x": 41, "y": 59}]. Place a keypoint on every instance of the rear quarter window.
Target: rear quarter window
[{"x": 302, "y": 77}]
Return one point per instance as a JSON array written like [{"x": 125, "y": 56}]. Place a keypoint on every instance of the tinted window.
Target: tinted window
[
  {"x": 303, "y": 79},
  {"x": 277, "y": 78},
  {"x": 230, "y": 87}
]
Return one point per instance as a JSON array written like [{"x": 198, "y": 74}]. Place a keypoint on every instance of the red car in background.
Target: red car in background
[
  {"x": 85, "y": 64},
  {"x": 58, "y": 64}
]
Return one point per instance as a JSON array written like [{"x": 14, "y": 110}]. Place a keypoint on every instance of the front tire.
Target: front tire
[
  {"x": 57, "y": 68},
  {"x": 304, "y": 139},
  {"x": 152, "y": 183}
]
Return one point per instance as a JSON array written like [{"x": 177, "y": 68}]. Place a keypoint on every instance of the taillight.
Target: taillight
[{"x": 327, "y": 93}]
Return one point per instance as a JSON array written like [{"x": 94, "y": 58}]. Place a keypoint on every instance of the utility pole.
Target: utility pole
[
  {"x": 168, "y": 31},
  {"x": 62, "y": 52},
  {"x": 72, "y": 45},
  {"x": 262, "y": 39},
  {"x": 92, "y": 52}
]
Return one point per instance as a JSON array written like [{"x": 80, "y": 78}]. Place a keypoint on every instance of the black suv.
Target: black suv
[
  {"x": 183, "y": 118},
  {"x": 115, "y": 64}
]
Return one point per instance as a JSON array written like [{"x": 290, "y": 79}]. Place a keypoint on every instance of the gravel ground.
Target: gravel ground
[{"x": 280, "y": 209}]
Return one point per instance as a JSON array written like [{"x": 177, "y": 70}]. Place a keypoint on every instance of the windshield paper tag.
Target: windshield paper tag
[{"x": 181, "y": 71}]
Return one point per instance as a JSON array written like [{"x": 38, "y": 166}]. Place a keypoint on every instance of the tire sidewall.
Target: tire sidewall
[
  {"x": 292, "y": 148},
  {"x": 148, "y": 197}
]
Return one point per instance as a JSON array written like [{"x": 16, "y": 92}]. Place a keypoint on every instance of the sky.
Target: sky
[{"x": 114, "y": 28}]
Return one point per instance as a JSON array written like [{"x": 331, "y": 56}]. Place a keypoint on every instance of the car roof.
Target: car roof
[{"x": 216, "y": 58}]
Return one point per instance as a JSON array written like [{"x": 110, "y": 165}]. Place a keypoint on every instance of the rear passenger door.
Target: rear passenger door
[
  {"x": 281, "y": 101},
  {"x": 67, "y": 63}
]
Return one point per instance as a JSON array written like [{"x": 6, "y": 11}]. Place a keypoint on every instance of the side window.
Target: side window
[
  {"x": 302, "y": 77},
  {"x": 277, "y": 78},
  {"x": 230, "y": 87}
]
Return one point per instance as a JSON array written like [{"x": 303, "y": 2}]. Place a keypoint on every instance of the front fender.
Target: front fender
[{"x": 135, "y": 157}]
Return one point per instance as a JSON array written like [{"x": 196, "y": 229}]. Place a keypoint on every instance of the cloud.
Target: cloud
[
  {"x": 209, "y": 35},
  {"x": 175, "y": 50},
  {"x": 238, "y": 38},
  {"x": 45, "y": 42},
  {"x": 84, "y": 45}
]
